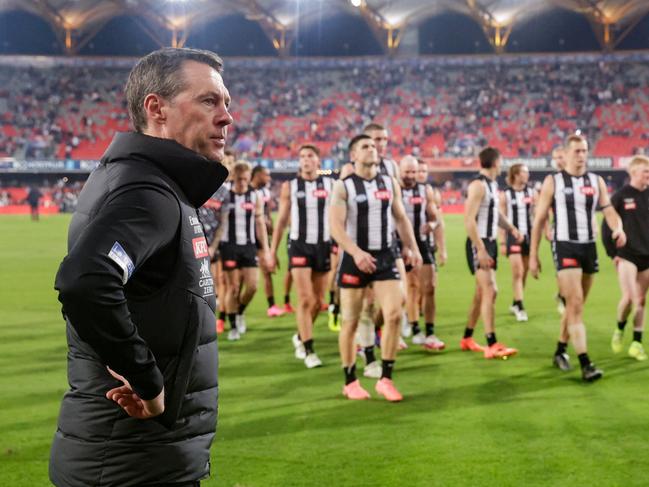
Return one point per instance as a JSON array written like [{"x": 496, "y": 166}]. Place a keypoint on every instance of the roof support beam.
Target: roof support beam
[
  {"x": 496, "y": 32},
  {"x": 280, "y": 35}
]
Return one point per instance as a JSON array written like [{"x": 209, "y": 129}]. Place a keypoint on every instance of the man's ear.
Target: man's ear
[{"x": 154, "y": 106}]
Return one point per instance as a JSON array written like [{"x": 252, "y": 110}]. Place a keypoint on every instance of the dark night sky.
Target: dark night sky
[{"x": 338, "y": 35}]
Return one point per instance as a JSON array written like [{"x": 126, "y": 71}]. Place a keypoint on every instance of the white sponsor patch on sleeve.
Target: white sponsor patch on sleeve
[{"x": 118, "y": 255}]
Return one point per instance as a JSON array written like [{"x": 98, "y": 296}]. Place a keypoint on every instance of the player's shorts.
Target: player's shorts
[
  {"x": 238, "y": 256},
  {"x": 350, "y": 276},
  {"x": 640, "y": 261},
  {"x": 515, "y": 248},
  {"x": 472, "y": 253},
  {"x": 571, "y": 255},
  {"x": 315, "y": 256}
]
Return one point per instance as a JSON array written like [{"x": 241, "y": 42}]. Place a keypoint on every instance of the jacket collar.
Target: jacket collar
[{"x": 197, "y": 176}]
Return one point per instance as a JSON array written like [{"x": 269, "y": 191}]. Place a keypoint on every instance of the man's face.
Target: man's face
[
  {"x": 309, "y": 161},
  {"x": 524, "y": 175},
  {"x": 380, "y": 138},
  {"x": 263, "y": 177},
  {"x": 577, "y": 154},
  {"x": 198, "y": 116},
  {"x": 242, "y": 179},
  {"x": 364, "y": 153},
  {"x": 422, "y": 173},
  {"x": 640, "y": 175},
  {"x": 498, "y": 164},
  {"x": 409, "y": 170}
]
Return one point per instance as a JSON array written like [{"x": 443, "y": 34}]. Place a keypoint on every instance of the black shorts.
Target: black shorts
[
  {"x": 640, "y": 261},
  {"x": 570, "y": 255},
  {"x": 350, "y": 276},
  {"x": 515, "y": 248},
  {"x": 472, "y": 253},
  {"x": 315, "y": 256},
  {"x": 427, "y": 255},
  {"x": 238, "y": 256}
]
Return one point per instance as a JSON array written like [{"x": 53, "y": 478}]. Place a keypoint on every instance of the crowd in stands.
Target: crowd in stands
[{"x": 431, "y": 110}]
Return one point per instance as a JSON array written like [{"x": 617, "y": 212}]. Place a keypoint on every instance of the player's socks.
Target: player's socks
[
  {"x": 621, "y": 325},
  {"x": 491, "y": 339},
  {"x": 637, "y": 336},
  {"x": 242, "y": 308},
  {"x": 430, "y": 329},
  {"x": 308, "y": 346},
  {"x": 561, "y": 348},
  {"x": 369, "y": 355},
  {"x": 332, "y": 297},
  {"x": 468, "y": 332},
  {"x": 232, "y": 318},
  {"x": 519, "y": 304},
  {"x": 222, "y": 315},
  {"x": 271, "y": 301},
  {"x": 584, "y": 360},
  {"x": 350, "y": 374},
  {"x": 287, "y": 299},
  {"x": 415, "y": 327},
  {"x": 386, "y": 369}
]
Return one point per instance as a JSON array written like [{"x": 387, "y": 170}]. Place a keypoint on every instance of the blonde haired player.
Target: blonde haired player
[{"x": 632, "y": 260}]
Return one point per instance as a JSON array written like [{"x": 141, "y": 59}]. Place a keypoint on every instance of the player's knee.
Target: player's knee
[{"x": 392, "y": 316}]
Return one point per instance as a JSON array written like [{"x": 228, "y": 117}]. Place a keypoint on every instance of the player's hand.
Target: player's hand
[
  {"x": 415, "y": 258},
  {"x": 365, "y": 262},
  {"x": 269, "y": 262},
  {"x": 484, "y": 259},
  {"x": 131, "y": 403},
  {"x": 426, "y": 228},
  {"x": 534, "y": 266},
  {"x": 548, "y": 233},
  {"x": 443, "y": 257},
  {"x": 616, "y": 261},
  {"x": 517, "y": 235},
  {"x": 620, "y": 238}
]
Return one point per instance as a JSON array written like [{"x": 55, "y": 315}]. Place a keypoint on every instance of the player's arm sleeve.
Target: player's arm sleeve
[{"x": 128, "y": 229}]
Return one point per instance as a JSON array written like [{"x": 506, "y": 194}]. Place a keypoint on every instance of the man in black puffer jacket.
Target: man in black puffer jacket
[{"x": 136, "y": 288}]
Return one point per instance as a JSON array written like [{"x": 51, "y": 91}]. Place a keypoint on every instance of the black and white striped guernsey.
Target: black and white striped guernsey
[
  {"x": 519, "y": 209},
  {"x": 239, "y": 226},
  {"x": 487, "y": 217},
  {"x": 574, "y": 203},
  {"x": 370, "y": 222},
  {"x": 415, "y": 202},
  {"x": 310, "y": 210},
  {"x": 387, "y": 167}
]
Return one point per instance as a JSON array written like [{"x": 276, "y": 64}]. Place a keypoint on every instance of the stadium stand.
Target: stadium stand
[{"x": 432, "y": 109}]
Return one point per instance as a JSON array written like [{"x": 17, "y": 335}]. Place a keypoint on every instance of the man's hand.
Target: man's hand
[
  {"x": 443, "y": 257},
  {"x": 269, "y": 261},
  {"x": 517, "y": 235},
  {"x": 131, "y": 402},
  {"x": 620, "y": 238},
  {"x": 415, "y": 258},
  {"x": 365, "y": 262},
  {"x": 484, "y": 259},
  {"x": 534, "y": 266}
]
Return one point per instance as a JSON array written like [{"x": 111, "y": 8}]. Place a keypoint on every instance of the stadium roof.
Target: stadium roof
[{"x": 76, "y": 21}]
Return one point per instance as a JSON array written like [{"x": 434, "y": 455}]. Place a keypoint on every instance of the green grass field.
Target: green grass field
[{"x": 464, "y": 420}]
